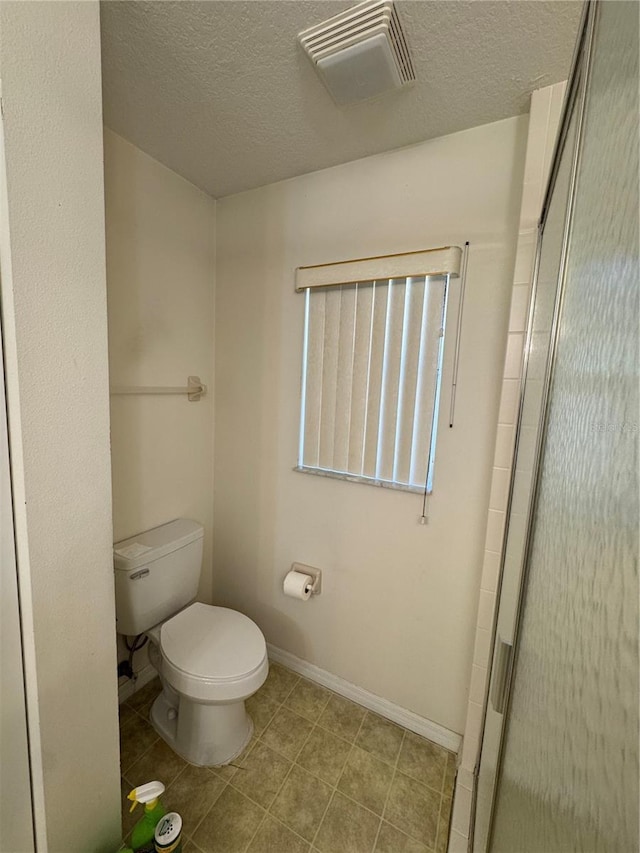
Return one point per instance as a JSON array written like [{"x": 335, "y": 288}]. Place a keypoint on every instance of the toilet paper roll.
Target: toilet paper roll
[{"x": 298, "y": 585}]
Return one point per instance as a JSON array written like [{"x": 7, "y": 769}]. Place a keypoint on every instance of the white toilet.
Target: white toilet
[{"x": 210, "y": 659}]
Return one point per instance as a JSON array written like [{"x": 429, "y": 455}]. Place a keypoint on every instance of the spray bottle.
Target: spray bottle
[{"x": 142, "y": 837}]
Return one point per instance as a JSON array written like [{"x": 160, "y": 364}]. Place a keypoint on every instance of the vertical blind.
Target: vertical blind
[{"x": 371, "y": 378}]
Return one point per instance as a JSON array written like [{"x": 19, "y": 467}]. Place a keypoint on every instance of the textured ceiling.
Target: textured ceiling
[{"x": 220, "y": 92}]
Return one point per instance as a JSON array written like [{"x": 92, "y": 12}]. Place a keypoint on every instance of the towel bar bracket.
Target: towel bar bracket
[{"x": 194, "y": 389}]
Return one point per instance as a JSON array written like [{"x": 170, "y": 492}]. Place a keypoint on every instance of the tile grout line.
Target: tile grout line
[
  {"x": 439, "y": 821},
  {"x": 312, "y": 846},
  {"x": 229, "y": 783},
  {"x": 314, "y": 725},
  {"x": 146, "y": 720},
  {"x": 421, "y": 784},
  {"x": 302, "y": 746},
  {"x": 278, "y": 705},
  {"x": 226, "y": 782},
  {"x": 335, "y": 787},
  {"x": 293, "y": 763},
  {"x": 225, "y": 785},
  {"x": 258, "y": 739},
  {"x": 138, "y": 757},
  {"x": 215, "y": 775},
  {"x": 260, "y": 822},
  {"x": 267, "y": 811},
  {"x": 442, "y": 799},
  {"x": 282, "y": 823},
  {"x": 393, "y": 776}
]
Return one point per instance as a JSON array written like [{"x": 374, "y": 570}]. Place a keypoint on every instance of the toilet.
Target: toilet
[{"x": 210, "y": 659}]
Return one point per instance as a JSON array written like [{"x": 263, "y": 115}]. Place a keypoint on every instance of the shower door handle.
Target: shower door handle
[{"x": 502, "y": 669}]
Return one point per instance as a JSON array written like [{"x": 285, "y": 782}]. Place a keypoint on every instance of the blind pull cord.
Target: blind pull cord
[
  {"x": 424, "y": 518},
  {"x": 456, "y": 359}
]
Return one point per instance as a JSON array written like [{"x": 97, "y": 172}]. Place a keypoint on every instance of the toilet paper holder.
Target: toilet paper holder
[{"x": 316, "y": 574}]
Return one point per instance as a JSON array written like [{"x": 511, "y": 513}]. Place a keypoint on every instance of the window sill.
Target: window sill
[{"x": 355, "y": 478}]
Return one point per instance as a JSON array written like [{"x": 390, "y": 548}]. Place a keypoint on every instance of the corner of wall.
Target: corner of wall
[{"x": 160, "y": 232}]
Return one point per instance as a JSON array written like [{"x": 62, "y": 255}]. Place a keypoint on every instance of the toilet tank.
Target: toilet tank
[{"x": 156, "y": 574}]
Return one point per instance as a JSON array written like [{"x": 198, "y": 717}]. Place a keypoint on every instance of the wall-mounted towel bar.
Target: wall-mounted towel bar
[{"x": 194, "y": 389}]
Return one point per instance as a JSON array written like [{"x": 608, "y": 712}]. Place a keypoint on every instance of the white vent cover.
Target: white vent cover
[{"x": 360, "y": 53}]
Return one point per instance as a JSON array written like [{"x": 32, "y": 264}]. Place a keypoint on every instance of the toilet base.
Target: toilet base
[{"x": 205, "y": 735}]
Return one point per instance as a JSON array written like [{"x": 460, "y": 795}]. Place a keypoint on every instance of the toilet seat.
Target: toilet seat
[{"x": 213, "y": 654}]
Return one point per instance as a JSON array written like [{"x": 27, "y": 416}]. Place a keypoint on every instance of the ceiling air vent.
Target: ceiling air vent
[{"x": 360, "y": 53}]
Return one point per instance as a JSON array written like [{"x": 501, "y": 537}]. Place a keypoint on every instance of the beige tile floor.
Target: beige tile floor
[{"x": 321, "y": 775}]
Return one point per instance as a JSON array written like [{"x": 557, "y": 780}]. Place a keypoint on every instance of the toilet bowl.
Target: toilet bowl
[{"x": 210, "y": 659}]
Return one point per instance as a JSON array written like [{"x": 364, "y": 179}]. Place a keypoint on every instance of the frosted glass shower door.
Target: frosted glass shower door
[{"x": 568, "y": 775}]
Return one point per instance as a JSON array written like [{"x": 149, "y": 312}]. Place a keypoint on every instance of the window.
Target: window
[{"x": 372, "y": 366}]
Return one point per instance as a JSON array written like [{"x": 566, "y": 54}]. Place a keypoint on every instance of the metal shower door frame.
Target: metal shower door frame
[{"x": 575, "y": 99}]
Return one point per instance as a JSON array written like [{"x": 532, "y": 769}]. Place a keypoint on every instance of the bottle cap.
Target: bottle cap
[
  {"x": 145, "y": 793},
  {"x": 168, "y": 831}
]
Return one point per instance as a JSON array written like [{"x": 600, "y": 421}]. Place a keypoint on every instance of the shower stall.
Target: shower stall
[{"x": 558, "y": 769}]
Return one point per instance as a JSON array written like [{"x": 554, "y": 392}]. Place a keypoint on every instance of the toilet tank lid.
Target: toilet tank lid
[{"x": 155, "y": 543}]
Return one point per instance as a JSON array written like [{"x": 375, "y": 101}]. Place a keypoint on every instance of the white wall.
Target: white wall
[
  {"x": 55, "y": 337},
  {"x": 399, "y": 600},
  {"x": 160, "y": 289}
]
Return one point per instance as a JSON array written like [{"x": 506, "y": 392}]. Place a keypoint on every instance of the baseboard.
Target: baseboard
[
  {"x": 131, "y": 686},
  {"x": 408, "y": 719},
  {"x": 384, "y": 707}
]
